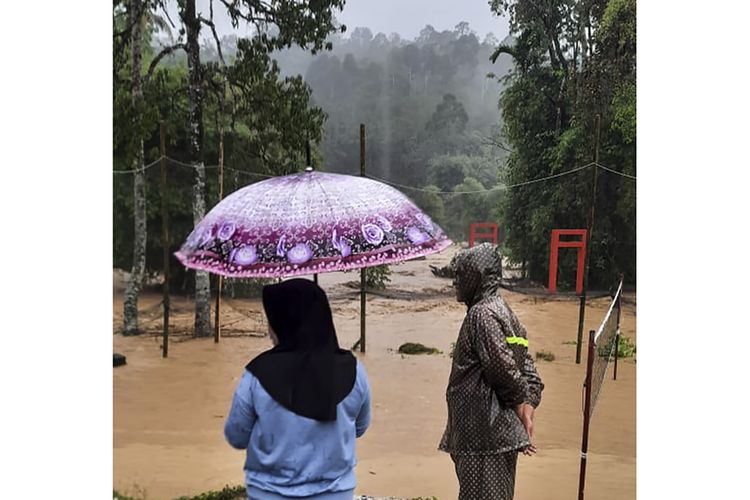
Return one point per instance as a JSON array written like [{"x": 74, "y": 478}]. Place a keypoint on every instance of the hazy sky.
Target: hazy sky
[
  {"x": 408, "y": 17},
  {"x": 405, "y": 17}
]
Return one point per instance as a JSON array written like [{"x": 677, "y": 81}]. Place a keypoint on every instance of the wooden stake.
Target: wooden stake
[
  {"x": 308, "y": 163},
  {"x": 217, "y": 318},
  {"x": 164, "y": 236},
  {"x": 589, "y": 233}
]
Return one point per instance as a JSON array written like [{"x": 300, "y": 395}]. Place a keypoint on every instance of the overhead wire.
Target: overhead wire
[{"x": 396, "y": 184}]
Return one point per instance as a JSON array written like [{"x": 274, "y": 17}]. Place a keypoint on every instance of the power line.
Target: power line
[
  {"x": 548, "y": 178},
  {"x": 404, "y": 186},
  {"x": 138, "y": 169},
  {"x": 187, "y": 165},
  {"x": 498, "y": 188},
  {"x": 615, "y": 171},
  {"x": 190, "y": 165},
  {"x": 252, "y": 174}
]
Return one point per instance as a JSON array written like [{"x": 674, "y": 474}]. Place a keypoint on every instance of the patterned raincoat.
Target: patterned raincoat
[{"x": 492, "y": 372}]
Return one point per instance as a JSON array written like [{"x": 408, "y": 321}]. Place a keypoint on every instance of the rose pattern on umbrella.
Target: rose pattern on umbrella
[
  {"x": 299, "y": 254},
  {"x": 373, "y": 234},
  {"x": 244, "y": 255},
  {"x": 319, "y": 222},
  {"x": 416, "y": 236},
  {"x": 226, "y": 231}
]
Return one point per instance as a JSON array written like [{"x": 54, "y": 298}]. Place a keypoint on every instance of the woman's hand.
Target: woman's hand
[{"x": 525, "y": 413}]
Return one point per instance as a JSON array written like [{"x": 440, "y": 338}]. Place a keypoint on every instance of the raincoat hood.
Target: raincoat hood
[{"x": 478, "y": 271}]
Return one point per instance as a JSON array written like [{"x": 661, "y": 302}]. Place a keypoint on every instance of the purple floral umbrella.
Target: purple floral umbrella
[{"x": 308, "y": 223}]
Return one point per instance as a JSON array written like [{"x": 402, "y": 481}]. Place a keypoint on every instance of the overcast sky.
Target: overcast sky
[
  {"x": 408, "y": 17},
  {"x": 405, "y": 17}
]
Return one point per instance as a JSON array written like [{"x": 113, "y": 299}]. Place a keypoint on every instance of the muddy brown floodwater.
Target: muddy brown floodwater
[{"x": 169, "y": 413}]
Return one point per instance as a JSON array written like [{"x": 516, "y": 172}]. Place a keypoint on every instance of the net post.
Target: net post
[
  {"x": 617, "y": 332},
  {"x": 581, "y": 313},
  {"x": 586, "y": 415}
]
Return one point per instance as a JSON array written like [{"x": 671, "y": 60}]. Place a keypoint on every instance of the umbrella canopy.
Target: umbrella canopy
[{"x": 308, "y": 223}]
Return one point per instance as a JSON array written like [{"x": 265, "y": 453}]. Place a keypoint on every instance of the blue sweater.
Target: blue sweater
[{"x": 291, "y": 455}]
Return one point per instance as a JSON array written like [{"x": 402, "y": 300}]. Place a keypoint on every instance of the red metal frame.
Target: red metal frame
[
  {"x": 475, "y": 235},
  {"x": 555, "y": 245}
]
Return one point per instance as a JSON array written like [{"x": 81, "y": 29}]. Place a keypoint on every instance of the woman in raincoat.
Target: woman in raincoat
[
  {"x": 300, "y": 406},
  {"x": 493, "y": 387}
]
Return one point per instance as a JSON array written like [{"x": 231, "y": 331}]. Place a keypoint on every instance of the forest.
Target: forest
[{"x": 460, "y": 122}]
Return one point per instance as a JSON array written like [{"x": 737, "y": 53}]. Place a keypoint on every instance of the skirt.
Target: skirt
[{"x": 486, "y": 477}]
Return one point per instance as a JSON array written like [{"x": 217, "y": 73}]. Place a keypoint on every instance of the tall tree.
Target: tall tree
[
  {"x": 574, "y": 61},
  {"x": 277, "y": 24},
  {"x": 136, "y": 10},
  {"x": 195, "y": 154}
]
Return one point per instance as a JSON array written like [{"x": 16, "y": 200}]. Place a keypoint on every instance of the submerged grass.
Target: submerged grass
[
  {"x": 416, "y": 348},
  {"x": 545, "y": 355}
]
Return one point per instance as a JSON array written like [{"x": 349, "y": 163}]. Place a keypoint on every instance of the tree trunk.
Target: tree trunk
[
  {"x": 133, "y": 288},
  {"x": 195, "y": 151}
]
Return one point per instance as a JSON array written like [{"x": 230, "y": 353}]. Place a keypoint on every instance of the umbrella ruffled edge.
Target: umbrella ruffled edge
[{"x": 263, "y": 270}]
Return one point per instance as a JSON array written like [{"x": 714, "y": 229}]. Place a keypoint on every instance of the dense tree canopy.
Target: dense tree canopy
[
  {"x": 451, "y": 117},
  {"x": 265, "y": 117},
  {"x": 574, "y": 61}
]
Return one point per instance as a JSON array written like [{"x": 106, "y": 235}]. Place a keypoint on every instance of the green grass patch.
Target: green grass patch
[
  {"x": 228, "y": 493},
  {"x": 377, "y": 277},
  {"x": 116, "y": 495},
  {"x": 625, "y": 348},
  {"x": 416, "y": 348}
]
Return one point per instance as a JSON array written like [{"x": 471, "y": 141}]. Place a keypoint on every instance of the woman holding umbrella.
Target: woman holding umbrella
[{"x": 300, "y": 406}]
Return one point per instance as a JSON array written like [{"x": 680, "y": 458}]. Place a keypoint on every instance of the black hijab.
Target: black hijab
[{"x": 307, "y": 372}]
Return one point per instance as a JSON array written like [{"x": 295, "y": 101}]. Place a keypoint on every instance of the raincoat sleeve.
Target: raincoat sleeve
[
  {"x": 364, "y": 415},
  {"x": 533, "y": 381},
  {"x": 241, "y": 418},
  {"x": 498, "y": 364}
]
